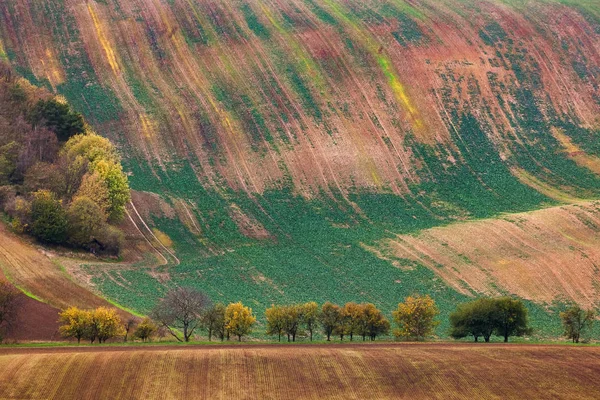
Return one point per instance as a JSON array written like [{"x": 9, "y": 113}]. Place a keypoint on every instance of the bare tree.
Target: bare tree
[
  {"x": 10, "y": 302},
  {"x": 129, "y": 324},
  {"x": 213, "y": 320},
  {"x": 181, "y": 309}
]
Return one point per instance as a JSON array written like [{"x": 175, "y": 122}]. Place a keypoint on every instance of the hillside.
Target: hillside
[
  {"x": 309, "y": 372},
  {"x": 285, "y": 151}
]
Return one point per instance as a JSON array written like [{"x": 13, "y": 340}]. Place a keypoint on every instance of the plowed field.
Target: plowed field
[
  {"x": 34, "y": 272},
  {"x": 422, "y": 371},
  {"x": 542, "y": 256}
]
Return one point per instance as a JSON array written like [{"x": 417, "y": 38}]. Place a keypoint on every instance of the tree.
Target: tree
[
  {"x": 182, "y": 308},
  {"x": 44, "y": 176},
  {"x": 512, "y": 318},
  {"x": 75, "y": 323},
  {"x": 37, "y": 145},
  {"x": 10, "y": 302},
  {"x": 352, "y": 314},
  {"x": 94, "y": 187},
  {"x": 372, "y": 322},
  {"x": 85, "y": 220},
  {"x": 329, "y": 318},
  {"x": 58, "y": 117},
  {"x": 293, "y": 318},
  {"x": 213, "y": 321},
  {"x": 239, "y": 320},
  {"x": 145, "y": 329},
  {"x": 577, "y": 322},
  {"x": 475, "y": 318},
  {"x": 104, "y": 323},
  {"x": 49, "y": 220},
  {"x": 310, "y": 313},
  {"x": 275, "y": 320},
  {"x": 91, "y": 147},
  {"x": 9, "y": 154},
  {"x": 128, "y": 326},
  {"x": 118, "y": 187},
  {"x": 416, "y": 317}
]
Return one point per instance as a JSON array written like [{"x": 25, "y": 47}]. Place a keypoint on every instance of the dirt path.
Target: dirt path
[{"x": 279, "y": 347}]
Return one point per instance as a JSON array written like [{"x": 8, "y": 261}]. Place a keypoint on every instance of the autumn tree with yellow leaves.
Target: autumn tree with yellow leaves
[
  {"x": 275, "y": 320},
  {"x": 416, "y": 317},
  {"x": 75, "y": 323},
  {"x": 102, "y": 324},
  {"x": 239, "y": 320}
]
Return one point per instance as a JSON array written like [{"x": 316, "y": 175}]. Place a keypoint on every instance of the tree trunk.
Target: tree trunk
[
  {"x": 328, "y": 336},
  {"x": 239, "y": 338},
  {"x": 310, "y": 335}
]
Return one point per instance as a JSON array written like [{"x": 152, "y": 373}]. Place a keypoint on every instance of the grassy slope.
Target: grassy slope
[
  {"x": 382, "y": 372},
  {"x": 389, "y": 119}
]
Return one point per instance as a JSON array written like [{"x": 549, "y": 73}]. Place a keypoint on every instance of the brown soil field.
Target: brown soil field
[
  {"x": 36, "y": 321},
  {"x": 541, "y": 256},
  {"x": 38, "y": 273},
  {"x": 381, "y": 371}
]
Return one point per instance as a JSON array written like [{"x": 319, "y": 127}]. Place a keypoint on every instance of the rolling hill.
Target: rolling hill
[{"x": 342, "y": 150}]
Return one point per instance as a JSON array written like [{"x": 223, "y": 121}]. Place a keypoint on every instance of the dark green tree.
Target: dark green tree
[
  {"x": 57, "y": 117},
  {"x": 512, "y": 318},
  {"x": 475, "y": 318}
]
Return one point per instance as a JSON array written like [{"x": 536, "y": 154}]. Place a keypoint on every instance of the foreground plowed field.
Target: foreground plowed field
[{"x": 420, "y": 371}]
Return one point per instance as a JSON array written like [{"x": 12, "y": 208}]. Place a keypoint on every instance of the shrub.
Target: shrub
[
  {"x": 110, "y": 240},
  {"x": 145, "y": 329}
]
